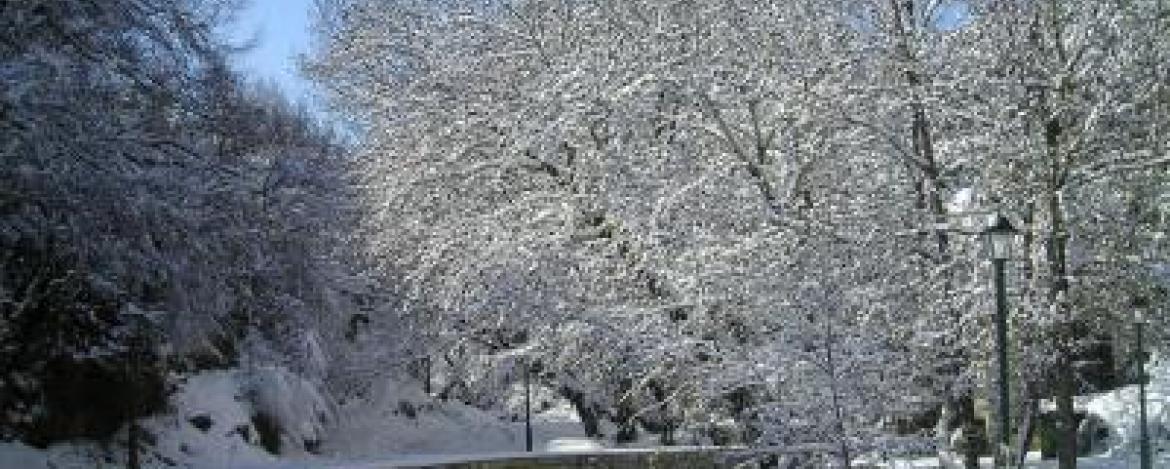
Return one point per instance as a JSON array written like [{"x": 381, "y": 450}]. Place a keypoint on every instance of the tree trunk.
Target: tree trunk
[
  {"x": 665, "y": 422},
  {"x": 132, "y": 447},
  {"x": 966, "y": 417},
  {"x": 930, "y": 185},
  {"x": 588, "y": 414},
  {"x": 132, "y": 405},
  {"x": 971, "y": 456},
  {"x": 1028, "y": 429},
  {"x": 1065, "y": 378},
  {"x": 627, "y": 424},
  {"x": 830, "y": 339}
]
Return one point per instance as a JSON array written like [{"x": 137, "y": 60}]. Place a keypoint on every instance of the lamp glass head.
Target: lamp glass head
[{"x": 1001, "y": 235}]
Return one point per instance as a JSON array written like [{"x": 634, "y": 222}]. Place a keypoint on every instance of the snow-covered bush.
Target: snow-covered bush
[{"x": 297, "y": 409}]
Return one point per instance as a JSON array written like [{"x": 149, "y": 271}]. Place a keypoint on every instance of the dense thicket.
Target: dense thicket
[{"x": 157, "y": 213}]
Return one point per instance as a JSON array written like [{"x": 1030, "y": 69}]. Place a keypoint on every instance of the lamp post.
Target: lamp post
[
  {"x": 1000, "y": 237},
  {"x": 1139, "y": 305},
  {"x": 527, "y": 407}
]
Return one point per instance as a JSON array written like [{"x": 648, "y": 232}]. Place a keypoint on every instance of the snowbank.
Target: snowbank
[
  {"x": 211, "y": 424},
  {"x": 398, "y": 419},
  {"x": 17, "y": 455},
  {"x": 1119, "y": 410}
]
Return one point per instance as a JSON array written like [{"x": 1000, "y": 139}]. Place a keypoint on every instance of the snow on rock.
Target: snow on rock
[{"x": 210, "y": 425}]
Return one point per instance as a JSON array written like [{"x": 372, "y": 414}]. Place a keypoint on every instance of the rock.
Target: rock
[
  {"x": 245, "y": 433},
  {"x": 407, "y": 409},
  {"x": 268, "y": 429},
  {"x": 201, "y": 421}
]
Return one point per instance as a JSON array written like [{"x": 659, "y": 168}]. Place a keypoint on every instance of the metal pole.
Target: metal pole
[
  {"x": 1145, "y": 437},
  {"x": 527, "y": 410},
  {"x": 427, "y": 375},
  {"x": 1001, "y": 348},
  {"x": 1145, "y": 443}
]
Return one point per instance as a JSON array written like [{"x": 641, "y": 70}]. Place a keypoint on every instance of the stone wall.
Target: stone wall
[{"x": 704, "y": 459}]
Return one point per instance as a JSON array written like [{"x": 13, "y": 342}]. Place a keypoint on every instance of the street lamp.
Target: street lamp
[
  {"x": 1139, "y": 306},
  {"x": 527, "y": 406},
  {"x": 1000, "y": 237}
]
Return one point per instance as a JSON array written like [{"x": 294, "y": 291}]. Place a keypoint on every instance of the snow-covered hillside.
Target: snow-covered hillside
[{"x": 212, "y": 424}]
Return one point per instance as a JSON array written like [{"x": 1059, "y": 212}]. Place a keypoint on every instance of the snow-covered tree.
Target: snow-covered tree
[
  {"x": 142, "y": 229},
  {"x": 720, "y": 192}
]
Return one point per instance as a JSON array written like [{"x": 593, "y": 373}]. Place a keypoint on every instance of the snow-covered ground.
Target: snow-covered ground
[
  {"x": 210, "y": 425},
  {"x": 382, "y": 426},
  {"x": 1119, "y": 411}
]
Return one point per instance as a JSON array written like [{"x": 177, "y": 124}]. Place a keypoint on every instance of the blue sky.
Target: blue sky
[
  {"x": 282, "y": 30},
  {"x": 953, "y": 14}
]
